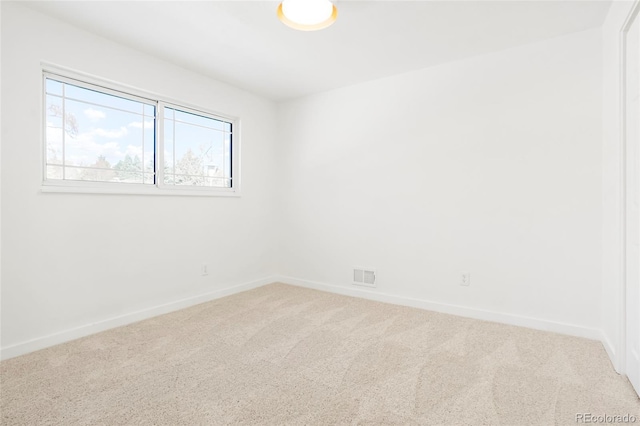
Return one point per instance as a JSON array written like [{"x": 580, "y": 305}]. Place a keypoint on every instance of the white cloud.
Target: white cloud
[
  {"x": 84, "y": 148},
  {"x": 86, "y": 152},
  {"x": 138, "y": 124},
  {"x": 111, "y": 134},
  {"x": 94, "y": 114}
]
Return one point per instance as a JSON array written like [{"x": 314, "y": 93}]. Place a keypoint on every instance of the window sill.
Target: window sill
[{"x": 138, "y": 190}]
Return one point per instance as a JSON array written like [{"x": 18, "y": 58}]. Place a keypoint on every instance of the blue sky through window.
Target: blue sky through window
[{"x": 103, "y": 131}]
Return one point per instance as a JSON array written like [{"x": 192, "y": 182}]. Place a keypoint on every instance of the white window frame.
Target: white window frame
[{"x": 159, "y": 188}]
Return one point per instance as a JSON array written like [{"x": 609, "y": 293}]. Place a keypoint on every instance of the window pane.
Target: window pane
[
  {"x": 149, "y": 152},
  {"x": 190, "y": 150},
  {"x": 100, "y": 174},
  {"x": 197, "y": 150},
  {"x": 54, "y": 172},
  {"x": 54, "y": 87},
  {"x": 168, "y": 150},
  {"x": 150, "y": 110},
  {"x": 54, "y": 133},
  {"x": 227, "y": 157},
  {"x": 98, "y": 134},
  {"x": 198, "y": 120},
  {"x": 107, "y": 100},
  {"x": 98, "y": 137}
]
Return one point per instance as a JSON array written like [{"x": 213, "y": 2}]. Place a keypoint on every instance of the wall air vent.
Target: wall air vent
[{"x": 364, "y": 276}]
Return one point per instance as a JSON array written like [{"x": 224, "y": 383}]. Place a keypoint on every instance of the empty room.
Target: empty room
[{"x": 320, "y": 212}]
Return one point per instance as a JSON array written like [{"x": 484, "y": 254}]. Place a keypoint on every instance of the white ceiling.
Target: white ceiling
[{"x": 243, "y": 43}]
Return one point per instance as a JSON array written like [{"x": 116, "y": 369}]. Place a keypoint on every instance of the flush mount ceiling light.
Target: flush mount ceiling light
[{"x": 307, "y": 15}]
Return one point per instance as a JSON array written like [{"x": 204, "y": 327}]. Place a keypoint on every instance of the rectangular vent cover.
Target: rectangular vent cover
[{"x": 363, "y": 276}]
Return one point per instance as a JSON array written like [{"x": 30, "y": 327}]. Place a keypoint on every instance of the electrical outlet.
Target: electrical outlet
[
  {"x": 465, "y": 278},
  {"x": 205, "y": 269}
]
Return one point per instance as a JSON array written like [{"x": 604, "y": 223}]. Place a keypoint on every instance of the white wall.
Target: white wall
[
  {"x": 74, "y": 260},
  {"x": 490, "y": 165},
  {"x": 0, "y": 184},
  {"x": 612, "y": 177}
]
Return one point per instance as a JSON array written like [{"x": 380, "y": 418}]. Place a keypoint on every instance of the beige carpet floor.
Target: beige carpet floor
[{"x": 286, "y": 355}]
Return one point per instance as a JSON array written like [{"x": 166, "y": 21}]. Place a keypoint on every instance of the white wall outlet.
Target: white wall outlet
[
  {"x": 205, "y": 269},
  {"x": 465, "y": 278}
]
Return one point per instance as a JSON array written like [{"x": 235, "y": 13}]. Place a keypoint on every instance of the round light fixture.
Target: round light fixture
[{"x": 307, "y": 15}]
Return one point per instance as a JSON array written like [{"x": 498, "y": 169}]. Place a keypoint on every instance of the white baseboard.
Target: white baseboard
[
  {"x": 534, "y": 323},
  {"x": 120, "y": 320},
  {"x": 109, "y": 323},
  {"x": 611, "y": 351}
]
